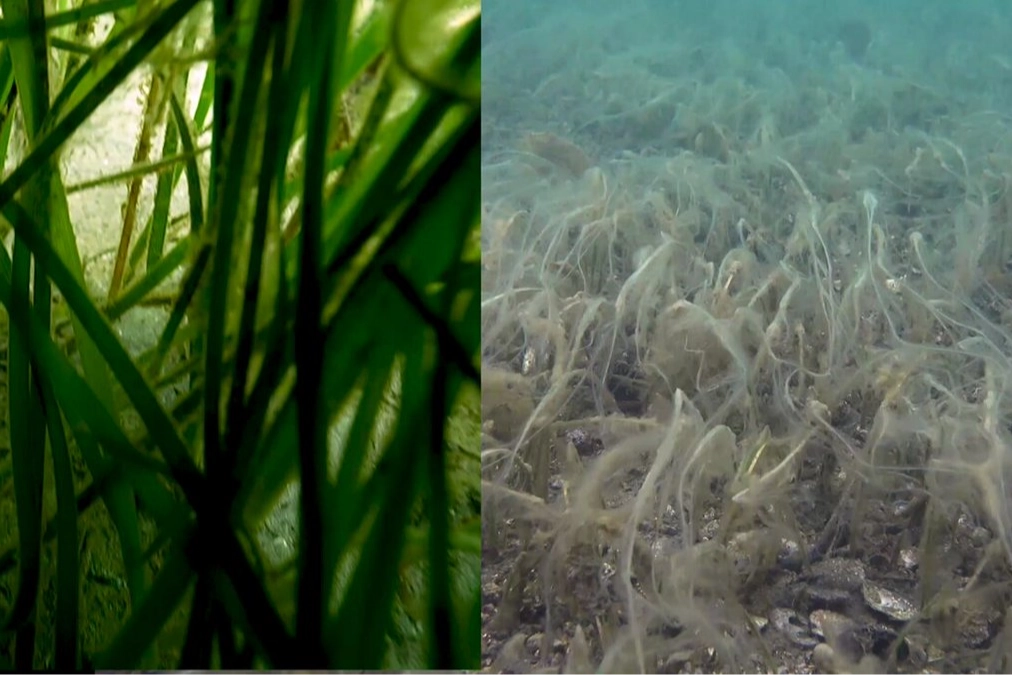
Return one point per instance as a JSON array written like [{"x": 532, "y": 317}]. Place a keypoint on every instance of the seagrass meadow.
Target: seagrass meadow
[
  {"x": 239, "y": 334},
  {"x": 747, "y": 336}
]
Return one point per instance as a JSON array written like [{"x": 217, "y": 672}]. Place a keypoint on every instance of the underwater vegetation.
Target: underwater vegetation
[
  {"x": 747, "y": 346},
  {"x": 245, "y": 435}
]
